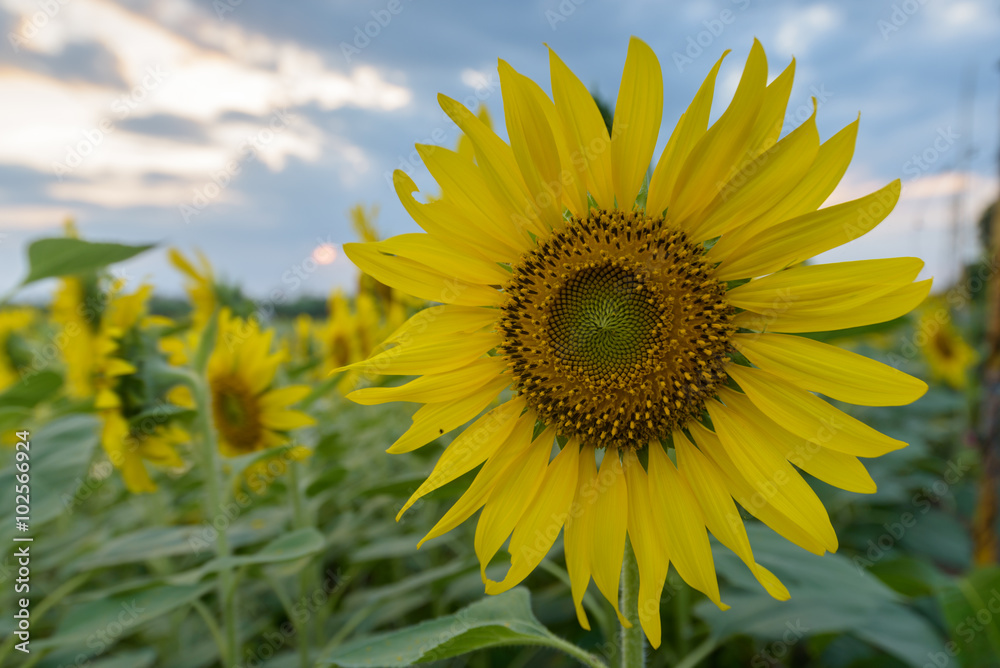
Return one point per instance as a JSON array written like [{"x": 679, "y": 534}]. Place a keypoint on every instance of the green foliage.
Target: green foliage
[{"x": 48, "y": 258}]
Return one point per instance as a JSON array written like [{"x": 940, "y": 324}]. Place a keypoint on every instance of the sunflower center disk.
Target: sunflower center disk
[
  {"x": 236, "y": 412},
  {"x": 615, "y": 329},
  {"x": 602, "y": 325}
]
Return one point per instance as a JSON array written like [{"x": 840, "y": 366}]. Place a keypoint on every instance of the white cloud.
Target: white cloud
[
  {"x": 797, "y": 32},
  {"x": 222, "y": 79}
]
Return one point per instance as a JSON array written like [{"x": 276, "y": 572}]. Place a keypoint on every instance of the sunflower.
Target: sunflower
[
  {"x": 250, "y": 414},
  {"x": 948, "y": 355},
  {"x": 200, "y": 287},
  {"x": 95, "y": 368},
  {"x": 12, "y": 321},
  {"x": 648, "y": 333}
]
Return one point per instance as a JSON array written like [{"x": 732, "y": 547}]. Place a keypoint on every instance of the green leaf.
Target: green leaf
[
  {"x": 60, "y": 453},
  {"x": 109, "y": 620},
  {"x": 295, "y": 545},
  {"x": 829, "y": 594},
  {"x": 157, "y": 542},
  {"x": 31, "y": 391},
  {"x": 972, "y": 610},
  {"x": 63, "y": 256},
  {"x": 907, "y": 575},
  {"x": 505, "y": 619}
]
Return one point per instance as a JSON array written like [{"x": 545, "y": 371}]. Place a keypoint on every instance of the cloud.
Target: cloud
[
  {"x": 803, "y": 27},
  {"x": 229, "y": 83}
]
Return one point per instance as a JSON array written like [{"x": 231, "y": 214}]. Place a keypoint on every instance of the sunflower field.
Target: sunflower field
[{"x": 603, "y": 409}]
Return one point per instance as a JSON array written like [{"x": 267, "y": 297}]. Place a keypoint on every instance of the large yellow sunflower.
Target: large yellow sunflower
[{"x": 648, "y": 333}]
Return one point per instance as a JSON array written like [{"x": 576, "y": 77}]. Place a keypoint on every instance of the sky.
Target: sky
[{"x": 248, "y": 129}]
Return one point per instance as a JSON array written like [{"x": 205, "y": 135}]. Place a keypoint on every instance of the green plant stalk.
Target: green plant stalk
[
  {"x": 632, "y": 653},
  {"x": 301, "y": 519},
  {"x": 213, "y": 505}
]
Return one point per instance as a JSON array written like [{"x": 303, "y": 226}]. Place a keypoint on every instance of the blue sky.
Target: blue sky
[{"x": 248, "y": 129}]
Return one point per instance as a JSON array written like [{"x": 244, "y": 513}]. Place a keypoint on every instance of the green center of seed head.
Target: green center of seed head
[{"x": 602, "y": 323}]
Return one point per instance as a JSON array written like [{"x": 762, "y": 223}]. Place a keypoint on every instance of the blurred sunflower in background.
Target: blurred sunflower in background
[
  {"x": 95, "y": 321},
  {"x": 200, "y": 286},
  {"x": 655, "y": 383},
  {"x": 249, "y": 412},
  {"x": 12, "y": 322},
  {"x": 948, "y": 356}
]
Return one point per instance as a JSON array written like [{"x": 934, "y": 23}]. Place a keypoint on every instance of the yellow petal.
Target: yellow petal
[
  {"x": 689, "y": 130},
  {"x": 798, "y": 239},
  {"x": 285, "y": 396},
  {"x": 610, "y": 523},
  {"x": 572, "y": 178},
  {"x": 286, "y": 420},
  {"x": 638, "y": 114},
  {"x": 771, "y": 119},
  {"x": 106, "y": 399},
  {"x": 463, "y": 186},
  {"x": 436, "y": 419},
  {"x": 496, "y": 160},
  {"x": 444, "y": 319},
  {"x": 808, "y": 416},
  {"x": 533, "y": 144},
  {"x": 819, "y": 181},
  {"x": 579, "y": 532},
  {"x": 751, "y": 450},
  {"x": 498, "y": 467},
  {"x": 834, "y": 468},
  {"x": 433, "y": 252},
  {"x": 423, "y": 355},
  {"x": 650, "y": 552},
  {"x": 458, "y": 217},
  {"x": 677, "y": 511},
  {"x": 837, "y": 373},
  {"x": 434, "y": 388},
  {"x": 418, "y": 279},
  {"x": 510, "y": 497},
  {"x": 755, "y": 502},
  {"x": 119, "y": 367},
  {"x": 724, "y": 146},
  {"x": 544, "y": 518},
  {"x": 759, "y": 184},
  {"x": 824, "y": 288},
  {"x": 893, "y": 304},
  {"x": 470, "y": 449},
  {"x": 720, "y": 513},
  {"x": 586, "y": 134}
]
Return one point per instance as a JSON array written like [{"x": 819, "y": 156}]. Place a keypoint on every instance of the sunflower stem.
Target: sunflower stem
[
  {"x": 301, "y": 518},
  {"x": 633, "y": 650},
  {"x": 214, "y": 508}
]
